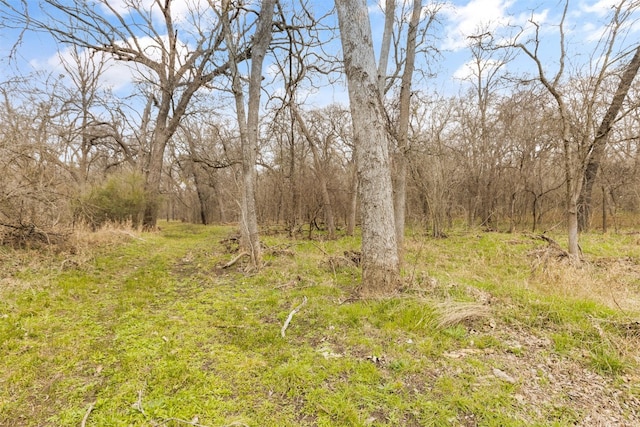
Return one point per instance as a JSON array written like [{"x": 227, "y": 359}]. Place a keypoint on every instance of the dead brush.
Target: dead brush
[
  {"x": 108, "y": 234},
  {"x": 85, "y": 241},
  {"x": 32, "y": 236},
  {"x": 611, "y": 281}
]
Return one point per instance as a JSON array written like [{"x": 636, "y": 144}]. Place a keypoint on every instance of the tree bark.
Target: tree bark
[
  {"x": 380, "y": 263},
  {"x": 353, "y": 204},
  {"x": 600, "y": 141}
]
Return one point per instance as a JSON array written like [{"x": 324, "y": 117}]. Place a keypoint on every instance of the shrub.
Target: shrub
[{"x": 121, "y": 198}]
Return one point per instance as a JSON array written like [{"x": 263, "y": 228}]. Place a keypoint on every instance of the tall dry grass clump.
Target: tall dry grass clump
[{"x": 609, "y": 280}]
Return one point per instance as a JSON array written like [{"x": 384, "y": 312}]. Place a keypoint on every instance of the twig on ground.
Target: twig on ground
[
  {"x": 138, "y": 404},
  {"x": 294, "y": 311},
  {"x": 321, "y": 250},
  {"x": 222, "y": 326},
  {"x": 618, "y": 305},
  {"x": 86, "y": 415},
  {"x": 236, "y": 259},
  {"x": 289, "y": 284}
]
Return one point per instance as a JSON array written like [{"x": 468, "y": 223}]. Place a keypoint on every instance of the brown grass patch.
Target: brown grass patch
[
  {"x": 613, "y": 281},
  {"x": 455, "y": 313}
]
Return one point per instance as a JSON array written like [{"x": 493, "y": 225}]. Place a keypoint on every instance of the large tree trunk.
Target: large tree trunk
[
  {"x": 380, "y": 264},
  {"x": 600, "y": 141},
  {"x": 153, "y": 176}
]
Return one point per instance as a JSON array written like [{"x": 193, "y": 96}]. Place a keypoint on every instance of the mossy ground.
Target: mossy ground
[{"x": 489, "y": 329}]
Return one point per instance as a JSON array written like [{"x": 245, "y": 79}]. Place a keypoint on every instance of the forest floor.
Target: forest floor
[{"x": 489, "y": 329}]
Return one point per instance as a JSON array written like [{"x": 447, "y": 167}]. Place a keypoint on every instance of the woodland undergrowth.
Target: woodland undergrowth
[{"x": 488, "y": 329}]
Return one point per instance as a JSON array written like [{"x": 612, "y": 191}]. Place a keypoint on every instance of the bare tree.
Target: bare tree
[
  {"x": 402, "y": 131},
  {"x": 248, "y": 118},
  {"x": 485, "y": 73},
  {"x": 575, "y": 147},
  {"x": 433, "y": 165},
  {"x": 597, "y": 148},
  {"x": 177, "y": 60},
  {"x": 380, "y": 263},
  {"x": 417, "y": 21},
  {"x": 85, "y": 97}
]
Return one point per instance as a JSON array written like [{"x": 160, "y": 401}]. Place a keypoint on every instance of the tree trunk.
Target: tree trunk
[
  {"x": 380, "y": 264},
  {"x": 604, "y": 209},
  {"x": 353, "y": 204},
  {"x": 202, "y": 199},
  {"x": 153, "y": 177},
  {"x": 262, "y": 39},
  {"x": 400, "y": 190},
  {"x": 249, "y": 122},
  {"x": 600, "y": 141},
  {"x": 389, "y": 17},
  {"x": 293, "y": 186}
]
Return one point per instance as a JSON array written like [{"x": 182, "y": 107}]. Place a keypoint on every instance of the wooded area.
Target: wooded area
[{"x": 217, "y": 130}]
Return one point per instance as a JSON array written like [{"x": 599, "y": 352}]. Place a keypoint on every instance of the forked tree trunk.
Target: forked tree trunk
[
  {"x": 248, "y": 123},
  {"x": 380, "y": 264}
]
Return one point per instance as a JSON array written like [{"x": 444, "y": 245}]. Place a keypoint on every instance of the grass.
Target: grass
[{"x": 150, "y": 330}]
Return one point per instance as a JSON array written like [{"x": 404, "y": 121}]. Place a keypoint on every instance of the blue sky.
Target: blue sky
[{"x": 458, "y": 20}]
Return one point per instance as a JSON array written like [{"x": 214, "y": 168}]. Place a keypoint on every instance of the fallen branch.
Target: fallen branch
[
  {"x": 294, "y": 311},
  {"x": 236, "y": 259},
  {"x": 561, "y": 253},
  {"x": 86, "y": 415},
  {"x": 549, "y": 240}
]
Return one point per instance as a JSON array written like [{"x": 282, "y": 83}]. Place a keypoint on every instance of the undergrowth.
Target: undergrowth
[{"x": 489, "y": 329}]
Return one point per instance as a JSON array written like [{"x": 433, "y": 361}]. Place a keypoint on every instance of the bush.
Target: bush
[{"x": 120, "y": 199}]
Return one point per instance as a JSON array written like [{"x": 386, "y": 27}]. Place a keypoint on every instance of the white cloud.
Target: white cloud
[
  {"x": 480, "y": 16},
  {"x": 603, "y": 10},
  {"x": 476, "y": 16},
  {"x": 600, "y": 7},
  {"x": 116, "y": 75},
  {"x": 472, "y": 68}
]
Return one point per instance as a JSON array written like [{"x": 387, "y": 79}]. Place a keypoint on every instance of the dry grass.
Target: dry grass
[
  {"x": 32, "y": 269},
  {"x": 460, "y": 313},
  {"x": 107, "y": 235},
  {"x": 611, "y": 281}
]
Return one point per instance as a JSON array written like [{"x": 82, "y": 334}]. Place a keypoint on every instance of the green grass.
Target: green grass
[{"x": 152, "y": 331}]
